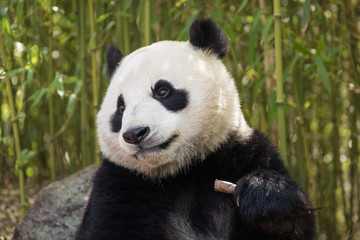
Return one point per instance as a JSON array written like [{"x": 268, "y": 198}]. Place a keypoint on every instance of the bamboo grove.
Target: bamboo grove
[{"x": 53, "y": 76}]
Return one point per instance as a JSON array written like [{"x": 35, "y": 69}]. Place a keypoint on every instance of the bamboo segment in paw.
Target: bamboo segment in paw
[{"x": 224, "y": 186}]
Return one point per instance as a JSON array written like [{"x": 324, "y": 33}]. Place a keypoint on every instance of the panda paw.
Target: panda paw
[{"x": 275, "y": 204}]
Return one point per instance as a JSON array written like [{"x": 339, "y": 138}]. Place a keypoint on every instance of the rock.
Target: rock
[{"x": 58, "y": 208}]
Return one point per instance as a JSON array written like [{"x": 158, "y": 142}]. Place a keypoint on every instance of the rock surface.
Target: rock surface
[{"x": 58, "y": 208}]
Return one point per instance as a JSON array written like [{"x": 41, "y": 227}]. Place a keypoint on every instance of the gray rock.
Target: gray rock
[{"x": 58, "y": 208}]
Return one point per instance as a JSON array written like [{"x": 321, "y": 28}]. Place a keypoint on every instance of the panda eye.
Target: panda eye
[
  {"x": 122, "y": 108},
  {"x": 162, "y": 92}
]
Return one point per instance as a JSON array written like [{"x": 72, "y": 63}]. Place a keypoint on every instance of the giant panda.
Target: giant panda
[{"x": 169, "y": 125}]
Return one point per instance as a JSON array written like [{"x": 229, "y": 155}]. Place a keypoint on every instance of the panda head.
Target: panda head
[{"x": 169, "y": 104}]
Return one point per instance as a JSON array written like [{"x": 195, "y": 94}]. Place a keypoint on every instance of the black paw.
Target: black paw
[{"x": 274, "y": 203}]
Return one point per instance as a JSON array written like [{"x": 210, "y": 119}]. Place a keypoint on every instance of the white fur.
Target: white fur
[{"x": 212, "y": 113}]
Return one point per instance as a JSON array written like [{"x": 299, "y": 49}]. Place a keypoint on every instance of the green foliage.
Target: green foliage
[{"x": 320, "y": 53}]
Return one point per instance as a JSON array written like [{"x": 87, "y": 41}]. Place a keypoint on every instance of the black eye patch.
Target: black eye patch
[
  {"x": 171, "y": 98},
  {"x": 116, "y": 118}
]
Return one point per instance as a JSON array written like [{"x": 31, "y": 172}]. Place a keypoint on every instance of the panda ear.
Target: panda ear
[
  {"x": 204, "y": 34},
  {"x": 113, "y": 57}
]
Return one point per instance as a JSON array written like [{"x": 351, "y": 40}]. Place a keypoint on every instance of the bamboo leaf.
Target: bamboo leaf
[
  {"x": 185, "y": 31},
  {"x": 26, "y": 156},
  {"x": 72, "y": 79},
  {"x": 91, "y": 40},
  {"x": 109, "y": 26},
  {"x": 72, "y": 99},
  {"x": 320, "y": 45},
  {"x": 292, "y": 65},
  {"x": 128, "y": 4},
  {"x": 259, "y": 86},
  {"x": 122, "y": 14},
  {"x": 242, "y": 6},
  {"x": 77, "y": 87},
  {"x": 214, "y": 15},
  {"x": 53, "y": 85},
  {"x": 36, "y": 97},
  {"x": 19, "y": 10},
  {"x": 71, "y": 103},
  {"x": 103, "y": 17},
  {"x": 6, "y": 26},
  {"x": 155, "y": 19},
  {"x": 65, "y": 21},
  {"x": 301, "y": 48},
  {"x": 219, "y": 10},
  {"x": 305, "y": 15},
  {"x": 29, "y": 76},
  {"x": 323, "y": 73},
  {"x": 3, "y": 11},
  {"x": 14, "y": 72},
  {"x": 252, "y": 39},
  {"x": 60, "y": 87},
  {"x": 266, "y": 27}
]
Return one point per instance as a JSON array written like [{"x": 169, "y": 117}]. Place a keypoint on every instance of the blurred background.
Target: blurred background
[{"x": 53, "y": 77}]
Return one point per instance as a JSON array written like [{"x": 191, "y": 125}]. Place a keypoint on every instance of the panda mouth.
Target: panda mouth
[{"x": 156, "y": 148}]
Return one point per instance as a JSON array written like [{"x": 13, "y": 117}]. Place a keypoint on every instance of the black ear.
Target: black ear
[
  {"x": 113, "y": 57},
  {"x": 204, "y": 34}
]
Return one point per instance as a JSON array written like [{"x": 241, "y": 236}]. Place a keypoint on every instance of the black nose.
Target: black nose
[{"x": 136, "y": 135}]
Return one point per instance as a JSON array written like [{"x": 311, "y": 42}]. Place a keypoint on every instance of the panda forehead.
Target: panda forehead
[{"x": 168, "y": 60}]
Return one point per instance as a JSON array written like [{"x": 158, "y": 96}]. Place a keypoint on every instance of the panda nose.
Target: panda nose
[{"x": 136, "y": 135}]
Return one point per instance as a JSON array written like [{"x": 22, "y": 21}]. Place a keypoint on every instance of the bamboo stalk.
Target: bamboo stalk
[
  {"x": 16, "y": 135},
  {"x": 354, "y": 163},
  {"x": 51, "y": 107},
  {"x": 305, "y": 151},
  {"x": 336, "y": 165},
  {"x": 118, "y": 25},
  {"x": 146, "y": 23},
  {"x": 17, "y": 147},
  {"x": 224, "y": 186},
  {"x": 94, "y": 76},
  {"x": 100, "y": 9},
  {"x": 270, "y": 81},
  {"x": 336, "y": 151},
  {"x": 85, "y": 138},
  {"x": 166, "y": 21},
  {"x": 354, "y": 150},
  {"x": 279, "y": 82},
  {"x": 125, "y": 34}
]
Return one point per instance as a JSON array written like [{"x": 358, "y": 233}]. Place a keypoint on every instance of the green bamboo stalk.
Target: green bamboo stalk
[
  {"x": 146, "y": 23},
  {"x": 305, "y": 151},
  {"x": 17, "y": 147},
  {"x": 125, "y": 33},
  {"x": 16, "y": 134},
  {"x": 354, "y": 151},
  {"x": 336, "y": 165},
  {"x": 279, "y": 82},
  {"x": 84, "y": 121},
  {"x": 101, "y": 48},
  {"x": 337, "y": 168},
  {"x": 165, "y": 19},
  {"x": 94, "y": 76},
  {"x": 118, "y": 26},
  {"x": 266, "y": 127},
  {"x": 51, "y": 107},
  {"x": 354, "y": 159}
]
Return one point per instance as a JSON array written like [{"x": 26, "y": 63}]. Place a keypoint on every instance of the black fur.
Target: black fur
[
  {"x": 126, "y": 205},
  {"x": 175, "y": 100},
  {"x": 204, "y": 34},
  {"x": 113, "y": 57},
  {"x": 116, "y": 118}
]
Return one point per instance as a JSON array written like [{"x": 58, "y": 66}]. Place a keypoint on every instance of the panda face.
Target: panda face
[{"x": 167, "y": 105}]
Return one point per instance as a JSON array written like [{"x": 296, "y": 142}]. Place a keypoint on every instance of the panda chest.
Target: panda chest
[{"x": 200, "y": 216}]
